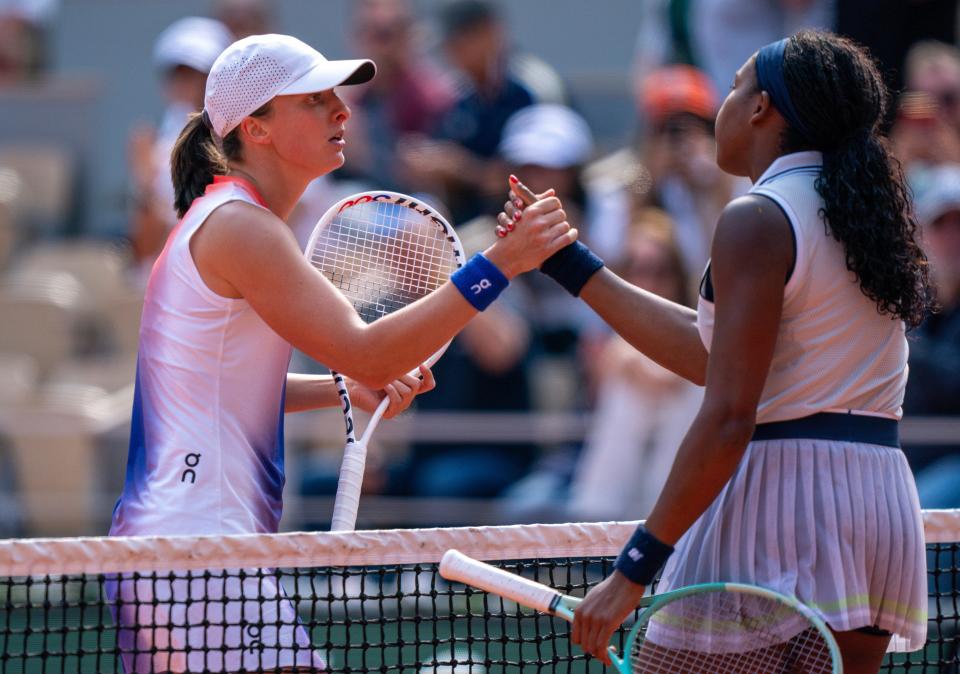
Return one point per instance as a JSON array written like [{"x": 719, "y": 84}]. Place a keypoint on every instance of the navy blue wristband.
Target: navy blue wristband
[
  {"x": 642, "y": 557},
  {"x": 572, "y": 267},
  {"x": 479, "y": 281}
]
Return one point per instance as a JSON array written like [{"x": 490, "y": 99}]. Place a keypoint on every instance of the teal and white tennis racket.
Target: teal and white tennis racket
[{"x": 715, "y": 628}]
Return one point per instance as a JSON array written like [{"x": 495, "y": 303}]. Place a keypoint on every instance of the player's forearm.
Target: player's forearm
[
  {"x": 705, "y": 462},
  {"x": 664, "y": 331},
  {"x": 309, "y": 392},
  {"x": 396, "y": 344}
]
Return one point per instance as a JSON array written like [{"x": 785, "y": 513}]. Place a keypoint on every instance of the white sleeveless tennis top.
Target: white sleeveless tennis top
[
  {"x": 835, "y": 352},
  {"x": 206, "y": 443}
]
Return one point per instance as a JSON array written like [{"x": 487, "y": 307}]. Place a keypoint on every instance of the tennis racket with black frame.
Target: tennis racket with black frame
[
  {"x": 714, "y": 628},
  {"x": 382, "y": 250}
]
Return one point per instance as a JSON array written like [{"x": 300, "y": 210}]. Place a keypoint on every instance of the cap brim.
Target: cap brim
[{"x": 329, "y": 74}]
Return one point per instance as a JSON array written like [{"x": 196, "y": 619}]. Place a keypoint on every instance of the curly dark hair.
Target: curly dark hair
[{"x": 839, "y": 93}]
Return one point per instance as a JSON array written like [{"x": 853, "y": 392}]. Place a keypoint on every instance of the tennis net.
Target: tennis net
[{"x": 367, "y": 601}]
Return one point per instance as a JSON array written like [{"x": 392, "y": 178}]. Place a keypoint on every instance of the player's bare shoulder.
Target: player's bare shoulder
[
  {"x": 752, "y": 224},
  {"x": 237, "y": 239}
]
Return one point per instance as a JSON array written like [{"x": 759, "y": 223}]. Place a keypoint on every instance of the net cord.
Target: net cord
[{"x": 92, "y": 555}]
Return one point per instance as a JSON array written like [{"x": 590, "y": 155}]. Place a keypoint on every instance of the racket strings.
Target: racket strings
[
  {"x": 383, "y": 256},
  {"x": 730, "y": 633}
]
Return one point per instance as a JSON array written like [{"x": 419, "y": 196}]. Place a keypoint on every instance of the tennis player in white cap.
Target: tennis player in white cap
[{"x": 228, "y": 296}]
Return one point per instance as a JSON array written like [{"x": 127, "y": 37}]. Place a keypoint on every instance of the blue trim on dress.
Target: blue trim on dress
[
  {"x": 811, "y": 168},
  {"x": 134, "y": 481}
]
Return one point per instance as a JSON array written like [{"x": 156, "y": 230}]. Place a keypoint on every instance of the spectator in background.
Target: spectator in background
[
  {"x": 24, "y": 31},
  {"x": 921, "y": 136},
  {"x": 547, "y": 145},
  {"x": 934, "y": 68},
  {"x": 497, "y": 363},
  {"x": 410, "y": 97},
  {"x": 717, "y": 36},
  {"x": 934, "y": 387},
  {"x": 890, "y": 28},
  {"x": 494, "y": 83},
  {"x": 672, "y": 166},
  {"x": 926, "y": 129},
  {"x": 642, "y": 410},
  {"x": 183, "y": 55},
  {"x": 244, "y": 17},
  {"x": 485, "y": 369}
]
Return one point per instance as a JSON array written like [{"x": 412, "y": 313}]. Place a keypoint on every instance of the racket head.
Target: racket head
[
  {"x": 727, "y": 628},
  {"x": 384, "y": 250}
]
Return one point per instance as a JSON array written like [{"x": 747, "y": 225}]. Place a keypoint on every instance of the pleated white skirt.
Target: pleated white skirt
[{"x": 835, "y": 524}]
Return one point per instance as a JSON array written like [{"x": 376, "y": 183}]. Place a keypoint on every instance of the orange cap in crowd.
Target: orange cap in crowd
[{"x": 675, "y": 89}]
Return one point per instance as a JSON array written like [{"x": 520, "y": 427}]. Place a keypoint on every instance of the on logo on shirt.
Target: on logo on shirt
[{"x": 192, "y": 460}]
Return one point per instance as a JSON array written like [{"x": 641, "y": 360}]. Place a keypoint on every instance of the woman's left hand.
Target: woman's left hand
[
  {"x": 603, "y": 610},
  {"x": 401, "y": 392}
]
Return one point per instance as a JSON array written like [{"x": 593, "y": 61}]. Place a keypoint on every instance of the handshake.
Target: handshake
[{"x": 533, "y": 232}]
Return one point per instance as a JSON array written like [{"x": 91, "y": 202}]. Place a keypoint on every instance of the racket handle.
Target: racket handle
[
  {"x": 347, "y": 501},
  {"x": 458, "y": 567}
]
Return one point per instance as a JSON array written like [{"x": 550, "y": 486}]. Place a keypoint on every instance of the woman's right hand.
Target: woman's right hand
[{"x": 539, "y": 229}]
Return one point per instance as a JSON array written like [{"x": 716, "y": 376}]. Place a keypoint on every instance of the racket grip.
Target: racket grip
[
  {"x": 458, "y": 567},
  {"x": 347, "y": 501}
]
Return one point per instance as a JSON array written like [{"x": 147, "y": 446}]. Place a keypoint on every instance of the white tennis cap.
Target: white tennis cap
[
  {"x": 193, "y": 41},
  {"x": 253, "y": 70},
  {"x": 546, "y": 134}
]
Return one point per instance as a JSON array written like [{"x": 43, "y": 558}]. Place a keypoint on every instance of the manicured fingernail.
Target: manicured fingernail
[
  {"x": 513, "y": 179},
  {"x": 511, "y": 226},
  {"x": 517, "y": 215},
  {"x": 518, "y": 203},
  {"x": 501, "y": 232}
]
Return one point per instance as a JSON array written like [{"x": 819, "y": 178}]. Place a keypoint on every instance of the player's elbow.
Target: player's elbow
[
  {"x": 735, "y": 432},
  {"x": 376, "y": 371},
  {"x": 372, "y": 375},
  {"x": 732, "y": 425}
]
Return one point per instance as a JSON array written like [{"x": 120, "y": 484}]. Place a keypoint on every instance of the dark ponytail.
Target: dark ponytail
[
  {"x": 840, "y": 96},
  {"x": 197, "y": 158},
  {"x": 193, "y": 163}
]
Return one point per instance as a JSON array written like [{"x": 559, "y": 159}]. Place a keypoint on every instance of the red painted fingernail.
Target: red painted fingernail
[
  {"x": 517, "y": 215},
  {"x": 518, "y": 203},
  {"x": 513, "y": 179},
  {"x": 501, "y": 232},
  {"x": 511, "y": 227}
]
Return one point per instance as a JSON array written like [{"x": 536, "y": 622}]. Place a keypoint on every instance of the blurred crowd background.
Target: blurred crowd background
[{"x": 540, "y": 413}]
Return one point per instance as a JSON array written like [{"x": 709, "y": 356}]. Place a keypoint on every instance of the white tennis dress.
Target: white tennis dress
[
  {"x": 206, "y": 457},
  {"x": 823, "y": 504}
]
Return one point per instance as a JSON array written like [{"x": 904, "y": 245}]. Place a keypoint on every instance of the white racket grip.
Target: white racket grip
[
  {"x": 458, "y": 567},
  {"x": 347, "y": 501}
]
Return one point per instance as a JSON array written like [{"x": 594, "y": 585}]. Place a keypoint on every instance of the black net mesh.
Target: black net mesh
[{"x": 385, "y": 619}]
